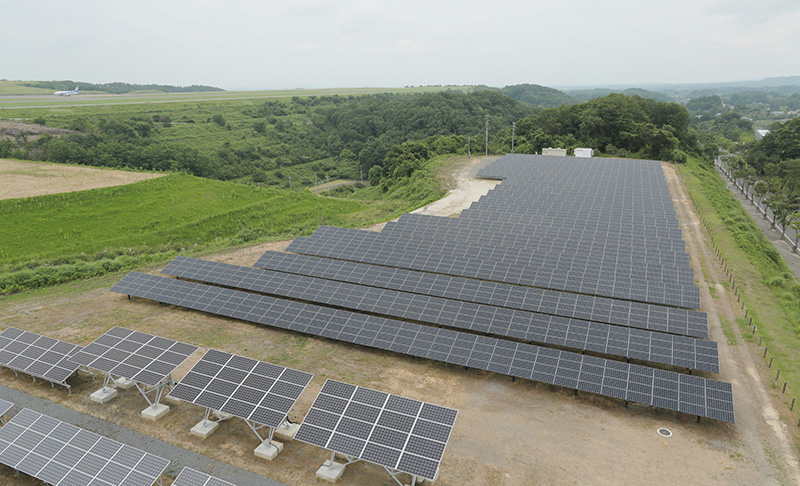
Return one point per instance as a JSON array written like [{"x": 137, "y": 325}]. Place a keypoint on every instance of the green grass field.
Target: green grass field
[
  {"x": 100, "y": 99},
  {"x": 175, "y": 210},
  {"x": 769, "y": 289}
]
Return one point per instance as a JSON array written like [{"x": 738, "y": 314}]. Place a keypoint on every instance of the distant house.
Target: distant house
[{"x": 761, "y": 134}]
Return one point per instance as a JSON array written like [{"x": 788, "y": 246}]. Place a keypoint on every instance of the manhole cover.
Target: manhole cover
[{"x": 664, "y": 432}]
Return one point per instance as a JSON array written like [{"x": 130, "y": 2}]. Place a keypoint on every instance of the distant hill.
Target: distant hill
[
  {"x": 590, "y": 94},
  {"x": 536, "y": 95},
  {"x": 117, "y": 88}
]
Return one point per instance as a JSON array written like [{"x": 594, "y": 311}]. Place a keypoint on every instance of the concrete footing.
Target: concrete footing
[
  {"x": 269, "y": 452},
  {"x": 155, "y": 413},
  {"x": 103, "y": 395},
  {"x": 286, "y": 432},
  {"x": 124, "y": 383},
  {"x": 204, "y": 429},
  {"x": 330, "y": 474}
]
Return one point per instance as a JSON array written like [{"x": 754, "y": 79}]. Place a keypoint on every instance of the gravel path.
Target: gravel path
[{"x": 180, "y": 457}]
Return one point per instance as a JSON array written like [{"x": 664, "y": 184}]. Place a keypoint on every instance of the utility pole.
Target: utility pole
[
  {"x": 487, "y": 135},
  {"x": 513, "y": 131},
  {"x": 290, "y": 182},
  {"x": 315, "y": 179},
  {"x": 469, "y": 154},
  {"x": 361, "y": 171}
]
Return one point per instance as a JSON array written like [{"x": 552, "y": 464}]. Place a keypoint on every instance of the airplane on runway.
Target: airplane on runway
[{"x": 67, "y": 93}]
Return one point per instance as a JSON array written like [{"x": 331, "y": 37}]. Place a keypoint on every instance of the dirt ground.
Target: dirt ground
[
  {"x": 507, "y": 433},
  {"x": 27, "y": 179},
  {"x": 10, "y": 129}
]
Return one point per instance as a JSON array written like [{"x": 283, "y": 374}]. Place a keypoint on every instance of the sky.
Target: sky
[{"x": 244, "y": 44}]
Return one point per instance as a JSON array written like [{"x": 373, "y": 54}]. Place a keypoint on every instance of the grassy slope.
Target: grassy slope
[
  {"x": 64, "y": 237},
  {"x": 769, "y": 289},
  {"x": 178, "y": 210}
]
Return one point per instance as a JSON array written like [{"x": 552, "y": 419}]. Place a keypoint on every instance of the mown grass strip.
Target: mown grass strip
[{"x": 768, "y": 288}]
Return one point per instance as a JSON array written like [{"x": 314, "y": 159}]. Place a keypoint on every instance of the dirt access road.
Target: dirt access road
[{"x": 507, "y": 433}]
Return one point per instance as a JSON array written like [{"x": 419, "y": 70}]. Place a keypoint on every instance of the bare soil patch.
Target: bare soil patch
[
  {"x": 508, "y": 433},
  {"x": 27, "y": 179},
  {"x": 10, "y": 129}
]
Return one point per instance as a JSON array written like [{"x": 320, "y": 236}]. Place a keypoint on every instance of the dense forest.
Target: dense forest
[{"x": 619, "y": 125}]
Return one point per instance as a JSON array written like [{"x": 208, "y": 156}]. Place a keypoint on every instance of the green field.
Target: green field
[
  {"x": 100, "y": 99},
  {"x": 768, "y": 288},
  {"x": 57, "y": 238}
]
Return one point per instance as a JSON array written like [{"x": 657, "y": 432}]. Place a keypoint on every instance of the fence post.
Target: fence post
[{"x": 770, "y": 362}]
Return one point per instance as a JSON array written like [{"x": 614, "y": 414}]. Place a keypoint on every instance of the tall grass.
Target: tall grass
[{"x": 769, "y": 289}]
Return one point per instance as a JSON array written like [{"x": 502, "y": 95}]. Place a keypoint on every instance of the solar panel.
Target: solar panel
[
  {"x": 246, "y": 388},
  {"x": 137, "y": 356},
  {"x": 664, "y": 389},
  {"x": 191, "y": 477},
  {"x": 598, "y": 309},
  {"x": 399, "y": 433},
  {"x": 5, "y": 407},
  {"x": 64, "y": 455},
  {"x": 39, "y": 356},
  {"x": 343, "y": 244},
  {"x": 571, "y": 333}
]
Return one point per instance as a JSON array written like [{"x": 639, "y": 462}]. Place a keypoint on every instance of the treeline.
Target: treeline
[
  {"x": 624, "y": 126},
  {"x": 118, "y": 88},
  {"x": 334, "y": 136},
  {"x": 772, "y": 167}
]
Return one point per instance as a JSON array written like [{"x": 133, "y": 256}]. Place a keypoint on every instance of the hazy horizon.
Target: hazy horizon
[{"x": 357, "y": 43}]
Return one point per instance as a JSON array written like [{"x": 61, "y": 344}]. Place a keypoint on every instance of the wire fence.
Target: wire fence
[{"x": 767, "y": 358}]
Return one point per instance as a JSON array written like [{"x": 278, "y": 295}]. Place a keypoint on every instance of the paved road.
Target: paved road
[
  {"x": 772, "y": 233},
  {"x": 179, "y": 456}
]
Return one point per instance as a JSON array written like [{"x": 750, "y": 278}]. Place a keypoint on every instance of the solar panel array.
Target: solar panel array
[
  {"x": 137, "y": 356},
  {"x": 64, "y": 455},
  {"x": 246, "y": 388},
  {"x": 582, "y": 335},
  {"x": 599, "y": 309},
  {"x": 5, "y": 407},
  {"x": 36, "y": 355},
  {"x": 389, "y": 430},
  {"x": 640, "y": 384},
  {"x": 345, "y": 244},
  {"x": 603, "y": 228},
  {"x": 191, "y": 477}
]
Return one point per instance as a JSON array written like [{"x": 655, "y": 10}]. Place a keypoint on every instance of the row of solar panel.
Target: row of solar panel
[
  {"x": 61, "y": 454},
  {"x": 674, "y": 391},
  {"x": 502, "y": 220},
  {"x": 600, "y": 255},
  {"x": 610, "y": 258},
  {"x": 678, "y": 296},
  {"x": 344, "y": 237},
  {"x": 572, "y": 333},
  {"x": 545, "y": 238},
  {"x": 599, "y": 309}
]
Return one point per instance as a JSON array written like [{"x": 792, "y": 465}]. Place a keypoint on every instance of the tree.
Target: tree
[{"x": 375, "y": 175}]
